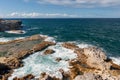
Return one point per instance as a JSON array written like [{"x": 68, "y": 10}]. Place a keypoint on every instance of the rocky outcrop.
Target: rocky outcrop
[
  {"x": 92, "y": 64},
  {"x": 6, "y": 25},
  {"x": 16, "y": 50}
]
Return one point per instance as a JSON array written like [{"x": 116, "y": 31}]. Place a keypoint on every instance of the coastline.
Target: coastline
[{"x": 90, "y": 61}]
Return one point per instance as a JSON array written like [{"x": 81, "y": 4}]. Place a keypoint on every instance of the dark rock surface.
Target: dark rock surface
[{"x": 6, "y": 25}]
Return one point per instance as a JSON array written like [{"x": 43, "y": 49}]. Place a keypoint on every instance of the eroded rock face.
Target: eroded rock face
[
  {"x": 96, "y": 58},
  {"x": 6, "y": 25},
  {"x": 92, "y": 60},
  {"x": 13, "y": 62}
]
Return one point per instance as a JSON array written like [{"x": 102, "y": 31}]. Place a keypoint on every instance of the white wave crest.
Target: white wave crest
[
  {"x": 16, "y": 32},
  {"x": 48, "y": 38},
  {"x": 83, "y": 45},
  {"x": 3, "y": 39},
  {"x": 116, "y": 60}
]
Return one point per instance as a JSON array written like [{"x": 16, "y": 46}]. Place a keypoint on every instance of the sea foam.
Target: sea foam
[
  {"x": 116, "y": 60},
  {"x": 16, "y": 32},
  {"x": 3, "y": 39},
  {"x": 38, "y": 63}
]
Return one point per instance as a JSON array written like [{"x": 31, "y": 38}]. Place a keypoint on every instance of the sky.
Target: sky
[{"x": 60, "y": 8}]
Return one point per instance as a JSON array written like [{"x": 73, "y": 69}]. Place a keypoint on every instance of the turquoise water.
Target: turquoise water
[{"x": 104, "y": 33}]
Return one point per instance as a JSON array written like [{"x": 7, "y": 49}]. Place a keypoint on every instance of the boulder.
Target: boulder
[
  {"x": 6, "y": 25},
  {"x": 58, "y": 59},
  {"x": 49, "y": 51}
]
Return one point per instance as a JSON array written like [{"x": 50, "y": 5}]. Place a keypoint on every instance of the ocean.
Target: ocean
[{"x": 103, "y": 33}]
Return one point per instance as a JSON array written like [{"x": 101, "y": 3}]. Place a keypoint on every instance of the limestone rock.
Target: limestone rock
[
  {"x": 42, "y": 45},
  {"x": 13, "y": 62},
  {"x": 70, "y": 46},
  {"x": 96, "y": 58},
  {"x": 88, "y": 76}
]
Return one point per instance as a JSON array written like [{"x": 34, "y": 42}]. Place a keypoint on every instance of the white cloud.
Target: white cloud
[
  {"x": 39, "y": 15},
  {"x": 82, "y": 3}
]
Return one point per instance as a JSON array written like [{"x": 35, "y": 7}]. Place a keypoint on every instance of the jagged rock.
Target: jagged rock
[
  {"x": 27, "y": 77},
  {"x": 6, "y": 25},
  {"x": 49, "y": 51},
  {"x": 88, "y": 76},
  {"x": 45, "y": 76},
  {"x": 70, "y": 46},
  {"x": 65, "y": 75},
  {"x": 13, "y": 62},
  {"x": 96, "y": 58}
]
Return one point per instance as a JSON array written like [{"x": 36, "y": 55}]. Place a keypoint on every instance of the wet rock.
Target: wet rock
[
  {"x": 65, "y": 75},
  {"x": 27, "y": 77},
  {"x": 58, "y": 59},
  {"x": 6, "y": 25},
  {"x": 70, "y": 46},
  {"x": 49, "y": 51},
  {"x": 5, "y": 71},
  {"x": 4, "y": 68}
]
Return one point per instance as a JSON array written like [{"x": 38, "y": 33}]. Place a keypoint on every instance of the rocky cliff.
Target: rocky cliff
[{"x": 6, "y": 25}]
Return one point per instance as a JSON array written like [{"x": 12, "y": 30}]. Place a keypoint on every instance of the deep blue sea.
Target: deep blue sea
[{"x": 104, "y": 33}]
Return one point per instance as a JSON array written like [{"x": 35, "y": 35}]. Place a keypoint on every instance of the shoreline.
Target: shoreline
[{"x": 96, "y": 55}]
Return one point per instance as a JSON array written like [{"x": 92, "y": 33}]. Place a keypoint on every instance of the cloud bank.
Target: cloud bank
[
  {"x": 39, "y": 15},
  {"x": 81, "y": 3}
]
